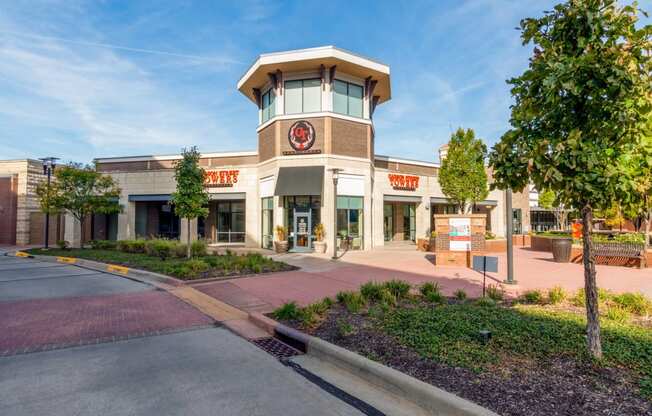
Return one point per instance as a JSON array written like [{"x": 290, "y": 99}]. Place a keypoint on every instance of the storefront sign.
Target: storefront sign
[
  {"x": 403, "y": 182},
  {"x": 459, "y": 234},
  {"x": 302, "y": 137},
  {"x": 221, "y": 178}
]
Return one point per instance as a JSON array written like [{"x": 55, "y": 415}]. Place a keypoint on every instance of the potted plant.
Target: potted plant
[
  {"x": 281, "y": 243},
  {"x": 320, "y": 244}
]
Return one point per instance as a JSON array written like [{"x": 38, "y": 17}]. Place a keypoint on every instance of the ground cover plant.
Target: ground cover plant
[
  {"x": 169, "y": 257},
  {"x": 536, "y": 362}
]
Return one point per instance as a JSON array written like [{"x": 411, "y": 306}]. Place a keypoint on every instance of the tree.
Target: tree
[
  {"x": 81, "y": 191},
  {"x": 191, "y": 198},
  {"x": 548, "y": 200},
  {"x": 581, "y": 105},
  {"x": 462, "y": 176}
]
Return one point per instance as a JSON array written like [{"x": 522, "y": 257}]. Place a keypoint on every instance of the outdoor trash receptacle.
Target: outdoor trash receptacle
[{"x": 561, "y": 249}]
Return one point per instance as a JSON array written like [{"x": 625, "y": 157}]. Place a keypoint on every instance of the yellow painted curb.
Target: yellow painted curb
[
  {"x": 117, "y": 269},
  {"x": 22, "y": 254},
  {"x": 69, "y": 260},
  {"x": 212, "y": 307}
]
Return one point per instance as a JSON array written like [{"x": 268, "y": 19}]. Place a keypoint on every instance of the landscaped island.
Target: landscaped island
[
  {"x": 168, "y": 257},
  {"x": 534, "y": 362}
]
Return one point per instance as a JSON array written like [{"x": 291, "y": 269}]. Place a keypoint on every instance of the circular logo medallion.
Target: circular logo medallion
[{"x": 301, "y": 136}]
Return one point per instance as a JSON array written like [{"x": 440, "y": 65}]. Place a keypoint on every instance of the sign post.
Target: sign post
[{"x": 484, "y": 264}]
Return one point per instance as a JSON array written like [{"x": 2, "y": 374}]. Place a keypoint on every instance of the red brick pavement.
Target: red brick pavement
[{"x": 43, "y": 324}]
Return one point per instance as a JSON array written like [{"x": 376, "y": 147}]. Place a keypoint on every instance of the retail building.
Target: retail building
[{"x": 316, "y": 122}]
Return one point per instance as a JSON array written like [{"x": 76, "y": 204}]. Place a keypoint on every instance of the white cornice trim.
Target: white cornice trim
[
  {"x": 313, "y": 115},
  {"x": 315, "y": 156},
  {"x": 170, "y": 157},
  {"x": 407, "y": 161},
  {"x": 312, "y": 53}
]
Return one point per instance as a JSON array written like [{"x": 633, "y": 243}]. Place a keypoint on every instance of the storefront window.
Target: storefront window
[
  {"x": 156, "y": 219},
  {"x": 230, "y": 221},
  {"x": 303, "y": 96},
  {"x": 347, "y": 98},
  {"x": 388, "y": 221},
  {"x": 409, "y": 222},
  {"x": 267, "y": 216},
  {"x": 349, "y": 220},
  {"x": 267, "y": 103}
]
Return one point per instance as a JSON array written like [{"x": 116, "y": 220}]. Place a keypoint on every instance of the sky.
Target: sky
[{"x": 85, "y": 79}]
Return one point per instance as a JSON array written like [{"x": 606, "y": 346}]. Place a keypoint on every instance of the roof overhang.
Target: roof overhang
[{"x": 304, "y": 60}]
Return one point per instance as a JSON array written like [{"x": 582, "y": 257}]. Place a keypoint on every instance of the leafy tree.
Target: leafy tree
[
  {"x": 191, "y": 198},
  {"x": 81, "y": 191},
  {"x": 613, "y": 216},
  {"x": 548, "y": 200},
  {"x": 579, "y": 108},
  {"x": 462, "y": 176}
]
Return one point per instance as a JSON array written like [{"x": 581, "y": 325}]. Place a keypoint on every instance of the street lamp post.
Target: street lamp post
[
  {"x": 509, "y": 217},
  {"x": 336, "y": 174},
  {"x": 49, "y": 163}
]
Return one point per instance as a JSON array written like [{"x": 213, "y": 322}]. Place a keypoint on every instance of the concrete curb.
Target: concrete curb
[
  {"x": 430, "y": 398},
  {"x": 142, "y": 276}
]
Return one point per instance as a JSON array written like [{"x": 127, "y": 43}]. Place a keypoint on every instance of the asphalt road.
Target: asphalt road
[
  {"x": 191, "y": 369},
  {"x": 23, "y": 279}
]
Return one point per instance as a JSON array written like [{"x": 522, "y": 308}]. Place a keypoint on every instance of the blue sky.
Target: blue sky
[{"x": 112, "y": 78}]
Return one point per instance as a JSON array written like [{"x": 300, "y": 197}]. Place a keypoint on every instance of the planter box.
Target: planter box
[{"x": 423, "y": 244}]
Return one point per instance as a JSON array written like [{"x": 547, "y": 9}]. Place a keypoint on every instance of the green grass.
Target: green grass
[
  {"x": 180, "y": 267},
  {"x": 449, "y": 334}
]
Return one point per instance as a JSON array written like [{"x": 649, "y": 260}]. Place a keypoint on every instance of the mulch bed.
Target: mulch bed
[{"x": 517, "y": 387}]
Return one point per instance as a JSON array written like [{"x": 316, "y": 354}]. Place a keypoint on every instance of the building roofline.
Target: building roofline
[
  {"x": 311, "y": 53},
  {"x": 407, "y": 161},
  {"x": 145, "y": 158}
]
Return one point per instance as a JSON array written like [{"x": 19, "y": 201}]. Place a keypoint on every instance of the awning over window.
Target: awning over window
[
  {"x": 227, "y": 196},
  {"x": 300, "y": 181},
  {"x": 402, "y": 198},
  {"x": 149, "y": 198},
  {"x": 442, "y": 200}
]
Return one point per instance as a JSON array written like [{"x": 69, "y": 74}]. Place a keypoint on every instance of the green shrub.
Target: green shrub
[
  {"x": 103, "y": 244},
  {"x": 199, "y": 248},
  {"x": 352, "y": 300},
  {"x": 179, "y": 250},
  {"x": 344, "y": 329},
  {"x": 432, "y": 293},
  {"x": 160, "y": 248},
  {"x": 192, "y": 268},
  {"x": 398, "y": 288},
  {"x": 580, "y": 297},
  {"x": 63, "y": 244},
  {"x": 131, "y": 246},
  {"x": 556, "y": 295},
  {"x": 372, "y": 291},
  {"x": 634, "y": 303},
  {"x": 617, "y": 314},
  {"x": 288, "y": 312},
  {"x": 460, "y": 294},
  {"x": 495, "y": 293},
  {"x": 533, "y": 296},
  {"x": 488, "y": 302}
]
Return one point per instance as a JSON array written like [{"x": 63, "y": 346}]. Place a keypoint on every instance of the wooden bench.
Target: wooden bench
[{"x": 621, "y": 250}]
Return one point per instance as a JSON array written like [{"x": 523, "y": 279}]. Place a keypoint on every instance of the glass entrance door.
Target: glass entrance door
[{"x": 302, "y": 229}]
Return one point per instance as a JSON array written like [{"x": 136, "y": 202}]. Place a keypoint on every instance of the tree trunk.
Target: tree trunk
[
  {"x": 188, "y": 237},
  {"x": 590, "y": 286},
  {"x": 82, "y": 229},
  {"x": 646, "y": 245}
]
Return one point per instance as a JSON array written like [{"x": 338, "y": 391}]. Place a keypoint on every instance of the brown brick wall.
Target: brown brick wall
[
  {"x": 121, "y": 166},
  {"x": 267, "y": 142},
  {"x": 169, "y": 164},
  {"x": 37, "y": 228},
  {"x": 406, "y": 168},
  {"x": 349, "y": 138},
  {"x": 317, "y": 123}
]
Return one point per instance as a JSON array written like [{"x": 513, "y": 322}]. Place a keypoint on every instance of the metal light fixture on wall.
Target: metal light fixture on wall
[{"x": 49, "y": 164}]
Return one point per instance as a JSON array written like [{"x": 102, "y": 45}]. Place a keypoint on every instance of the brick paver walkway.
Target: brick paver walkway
[
  {"x": 320, "y": 277},
  {"x": 41, "y": 324}
]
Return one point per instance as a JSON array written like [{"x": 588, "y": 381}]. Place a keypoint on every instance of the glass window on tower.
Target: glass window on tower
[{"x": 347, "y": 98}]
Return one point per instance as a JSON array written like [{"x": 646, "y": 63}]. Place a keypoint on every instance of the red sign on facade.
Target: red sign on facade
[
  {"x": 403, "y": 182},
  {"x": 221, "y": 178}
]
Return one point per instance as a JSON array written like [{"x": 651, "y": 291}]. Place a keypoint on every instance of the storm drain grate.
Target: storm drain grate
[{"x": 276, "y": 347}]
